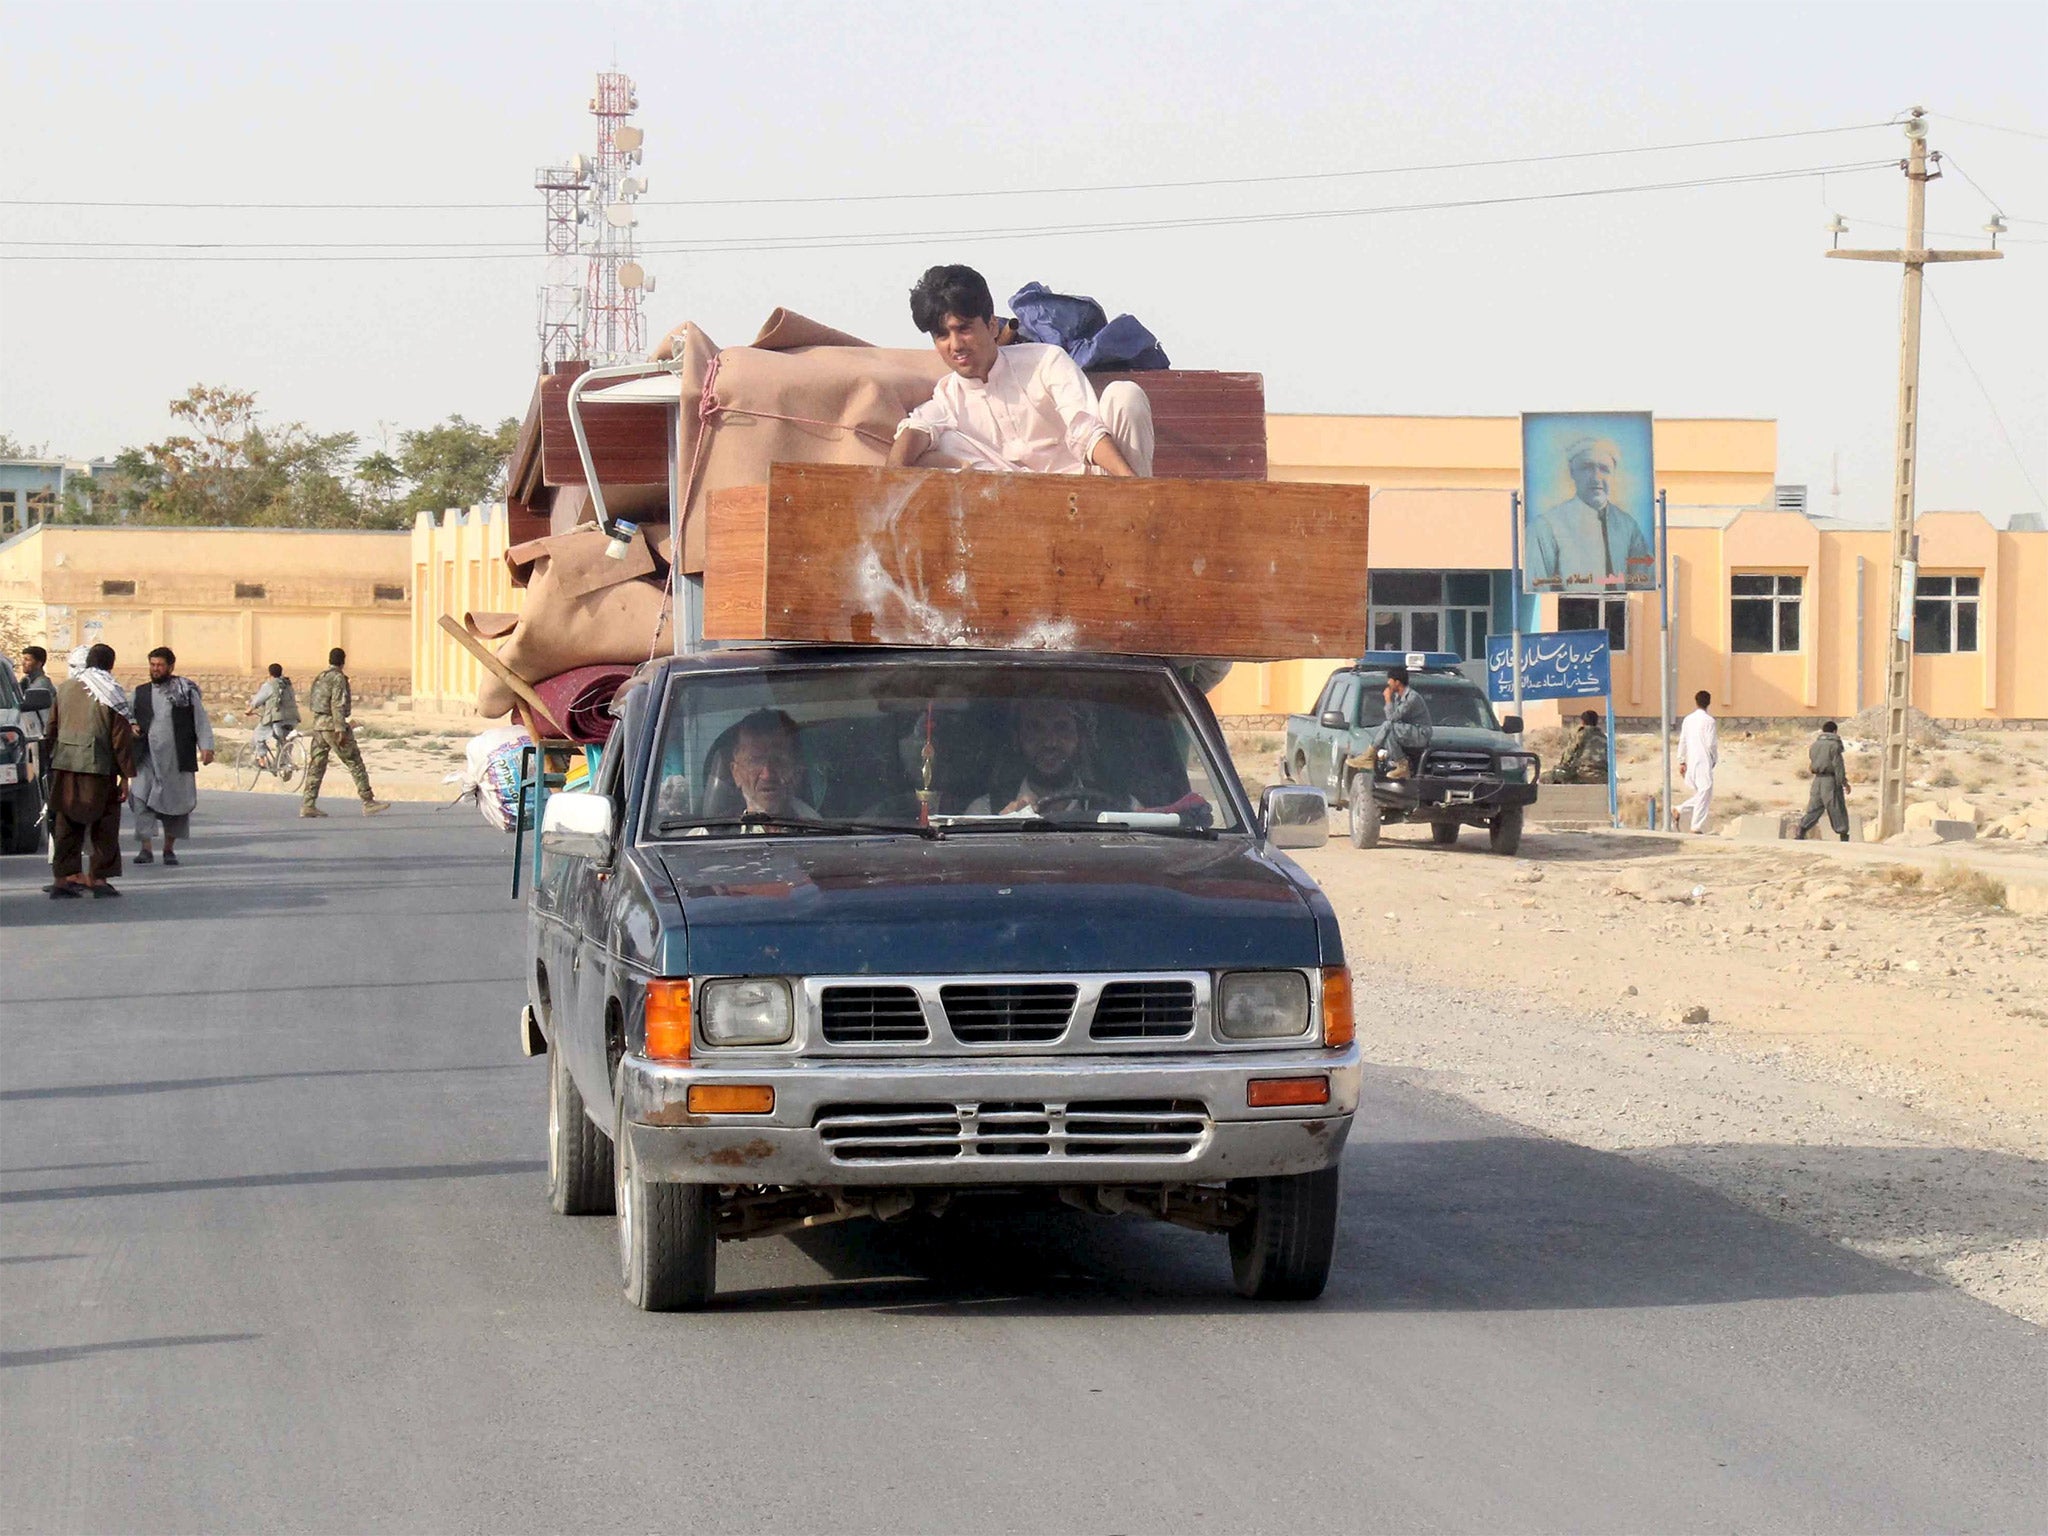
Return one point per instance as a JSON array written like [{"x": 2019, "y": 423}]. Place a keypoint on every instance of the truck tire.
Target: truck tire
[
  {"x": 20, "y": 829},
  {"x": 1282, "y": 1251},
  {"x": 579, "y": 1158},
  {"x": 668, "y": 1238},
  {"x": 1443, "y": 833},
  {"x": 1505, "y": 835},
  {"x": 1365, "y": 814}
]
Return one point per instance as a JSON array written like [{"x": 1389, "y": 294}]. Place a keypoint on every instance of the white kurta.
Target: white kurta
[{"x": 1699, "y": 749}]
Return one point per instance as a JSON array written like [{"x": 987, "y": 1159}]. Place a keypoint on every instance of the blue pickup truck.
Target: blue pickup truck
[
  {"x": 1475, "y": 773},
  {"x": 864, "y": 932}
]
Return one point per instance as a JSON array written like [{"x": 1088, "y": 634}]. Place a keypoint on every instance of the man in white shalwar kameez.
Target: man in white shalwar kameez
[
  {"x": 1699, "y": 749},
  {"x": 173, "y": 739}
]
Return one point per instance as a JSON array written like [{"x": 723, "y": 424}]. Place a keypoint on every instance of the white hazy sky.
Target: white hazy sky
[{"x": 1710, "y": 301}]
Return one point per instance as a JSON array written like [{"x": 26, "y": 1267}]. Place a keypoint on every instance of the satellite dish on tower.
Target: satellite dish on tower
[
  {"x": 633, "y": 275},
  {"x": 629, "y": 138},
  {"x": 621, "y": 216},
  {"x": 580, "y": 164},
  {"x": 630, "y": 188}
]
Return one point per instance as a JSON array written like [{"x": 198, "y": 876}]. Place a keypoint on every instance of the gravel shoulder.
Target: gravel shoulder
[{"x": 1856, "y": 1046}]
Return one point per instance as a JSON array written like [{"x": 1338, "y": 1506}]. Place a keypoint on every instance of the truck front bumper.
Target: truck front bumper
[{"x": 968, "y": 1123}]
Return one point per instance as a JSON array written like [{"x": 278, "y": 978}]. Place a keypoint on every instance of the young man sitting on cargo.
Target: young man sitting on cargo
[{"x": 1022, "y": 407}]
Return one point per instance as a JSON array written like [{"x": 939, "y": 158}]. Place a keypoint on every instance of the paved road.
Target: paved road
[{"x": 274, "y": 1255}]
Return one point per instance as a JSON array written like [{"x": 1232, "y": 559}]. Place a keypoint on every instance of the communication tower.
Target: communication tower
[
  {"x": 561, "y": 289},
  {"x": 613, "y": 279}
]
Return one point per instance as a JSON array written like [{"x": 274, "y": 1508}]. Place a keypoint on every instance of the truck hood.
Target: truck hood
[
  {"x": 1473, "y": 736},
  {"x": 989, "y": 902}
]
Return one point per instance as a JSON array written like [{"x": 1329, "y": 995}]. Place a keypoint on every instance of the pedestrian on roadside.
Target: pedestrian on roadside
[
  {"x": 276, "y": 709},
  {"x": 38, "y": 692},
  {"x": 1829, "y": 792},
  {"x": 331, "y": 704},
  {"x": 88, "y": 752},
  {"x": 1699, "y": 750},
  {"x": 173, "y": 738}
]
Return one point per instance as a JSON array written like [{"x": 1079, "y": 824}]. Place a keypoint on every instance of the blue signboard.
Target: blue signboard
[{"x": 1564, "y": 664}]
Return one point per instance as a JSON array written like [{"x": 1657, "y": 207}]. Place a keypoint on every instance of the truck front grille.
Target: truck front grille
[
  {"x": 1095, "y": 1128},
  {"x": 1144, "y": 1010},
  {"x": 872, "y": 1016},
  {"x": 1449, "y": 763},
  {"x": 1009, "y": 1013}
]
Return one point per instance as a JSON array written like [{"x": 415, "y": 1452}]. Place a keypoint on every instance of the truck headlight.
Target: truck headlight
[
  {"x": 745, "y": 1010},
  {"x": 1262, "y": 1005},
  {"x": 1517, "y": 767}
]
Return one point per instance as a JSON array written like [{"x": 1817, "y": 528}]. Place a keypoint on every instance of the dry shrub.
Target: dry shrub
[
  {"x": 1945, "y": 778},
  {"x": 1971, "y": 886},
  {"x": 1904, "y": 877}
]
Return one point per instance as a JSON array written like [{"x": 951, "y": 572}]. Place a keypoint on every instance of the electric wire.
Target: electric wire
[
  {"x": 1989, "y": 403},
  {"x": 2024, "y": 133}
]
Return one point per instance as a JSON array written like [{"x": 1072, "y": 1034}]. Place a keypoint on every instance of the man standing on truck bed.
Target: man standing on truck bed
[
  {"x": 1024, "y": 407},
  {"x": 331, "y": 704}
]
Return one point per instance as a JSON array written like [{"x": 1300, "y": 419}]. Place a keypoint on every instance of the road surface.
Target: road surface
[{"x": 274, "y": 1254}]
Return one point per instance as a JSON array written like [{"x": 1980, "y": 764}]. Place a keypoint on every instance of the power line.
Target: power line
[
  {"x": 741, "y": 245},
  {"x": 1990, "y": 404},
  {"x": 2024, "y": 133},
  {"x": 1951, "y": 163},
  {"x": 886, "y": 197}
]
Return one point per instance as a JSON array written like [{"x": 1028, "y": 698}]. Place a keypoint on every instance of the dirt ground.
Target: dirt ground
[{"x": 409, "y": 757}]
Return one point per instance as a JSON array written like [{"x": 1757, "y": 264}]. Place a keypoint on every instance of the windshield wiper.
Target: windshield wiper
[
  {"x": 794, "y": 824},
  {"x": 1112, "y": 822}
]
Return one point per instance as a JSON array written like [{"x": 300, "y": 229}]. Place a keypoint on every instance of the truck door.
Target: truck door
[
  {"x": 1327, "y": 758},
  {"x": 588, "y": 887}
]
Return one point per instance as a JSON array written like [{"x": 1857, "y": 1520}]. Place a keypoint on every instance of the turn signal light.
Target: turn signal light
[
  {"x": 668, "y": 1020},
  {"x": 731, "y": 1099},
  {"x": 1339, "y": 1028},
  {"x": 1276, "y": 1092}
]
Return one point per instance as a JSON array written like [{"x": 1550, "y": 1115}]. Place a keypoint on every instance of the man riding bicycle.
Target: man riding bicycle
[{"x": 276, "y": 709}]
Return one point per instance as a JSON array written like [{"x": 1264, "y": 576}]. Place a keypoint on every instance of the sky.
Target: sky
[{"x": 1692, "y": 301}]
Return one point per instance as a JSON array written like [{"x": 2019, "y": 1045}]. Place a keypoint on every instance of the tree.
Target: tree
[
  {"x": 455, "y": 464},
  {"x": 12, "y": 447}
]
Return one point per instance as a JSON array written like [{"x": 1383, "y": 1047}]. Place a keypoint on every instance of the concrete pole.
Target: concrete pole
[
  {"x": 1663, "y": 816},
  {"x": 1515, "y": 593}
]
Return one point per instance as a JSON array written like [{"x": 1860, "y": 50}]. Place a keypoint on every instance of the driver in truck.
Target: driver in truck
[
  {"x": 1398, "y": 745},
  {"x": 1051, "y": 738},
  {"x": 767, "y": 766}
]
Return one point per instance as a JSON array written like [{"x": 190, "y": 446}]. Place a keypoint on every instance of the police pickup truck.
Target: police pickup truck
[
  {"x": 1474, "y": 773},
  {"x": 862, "y": 932}
]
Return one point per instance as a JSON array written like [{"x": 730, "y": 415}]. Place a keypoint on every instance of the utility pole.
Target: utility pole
[{"x": 1898, "y": 675}]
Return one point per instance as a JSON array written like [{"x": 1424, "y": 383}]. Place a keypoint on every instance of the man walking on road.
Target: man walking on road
[
  {"x": 38, "y": 693},
  {"x": 1699, "y": 749},
  {"x": 173, "y": 738},
  {"x": 89, "y": 749},
  {"x": 331, "y": 704},
  {"x": 1830, "y": 789}
]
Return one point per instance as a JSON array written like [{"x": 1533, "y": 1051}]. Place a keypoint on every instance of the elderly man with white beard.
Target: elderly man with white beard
[{"x": 1589, "y": 542}]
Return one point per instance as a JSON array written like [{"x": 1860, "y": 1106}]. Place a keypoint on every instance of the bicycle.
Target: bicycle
[{"x": 254, "y": 761}]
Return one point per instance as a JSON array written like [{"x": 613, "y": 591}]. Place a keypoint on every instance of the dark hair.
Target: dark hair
[
  {"x": 101, "y": 656},
  {"x": 953, "y": 290},
  {"x": 169, "y": 656},
  {"x": 336, "y": 657},
  {"x": 276, "y": 670},
  {"x": 766, "y": 722},
  {"x": 1703, "y": 698},
  {"x": 1829, "y": 728},
  {"x": 1590, "y": 717},
  {"x": 36, "y": 654},
  {"x": 1398, "y": 674}
]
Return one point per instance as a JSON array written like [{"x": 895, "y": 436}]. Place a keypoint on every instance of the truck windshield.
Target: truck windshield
[
  {"x": 959, "y": 747},
  {"x": 1451, "y": 701}
]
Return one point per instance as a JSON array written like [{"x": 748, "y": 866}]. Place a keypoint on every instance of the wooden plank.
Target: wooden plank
[
  {"x": 629, "y": 443},
  {"x": 853, "y": 555},
  {"x": 1208, "y": 425}
]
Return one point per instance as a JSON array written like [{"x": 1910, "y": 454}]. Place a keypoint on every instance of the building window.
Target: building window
[
  {"x": 246, "y": 591},
  {"x": 42, "y": 507},
  {"x": 117, "y": 589},
  {"x": 7, "y": 511},
  {"x": 385, "y": 594},
  {"x": 1608, "y": 613},
  {"x": 1763, "y": 612},
  {"x": 1945, "y": 614}
]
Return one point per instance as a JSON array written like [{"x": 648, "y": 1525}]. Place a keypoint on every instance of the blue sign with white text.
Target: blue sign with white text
[{"x": 1564, "y": 664}]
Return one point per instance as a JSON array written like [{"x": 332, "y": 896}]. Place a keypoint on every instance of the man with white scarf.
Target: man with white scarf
[
  {"x": 173, "y": 738},
  {"x": 88, "y": 748},
  {"x": 1699, "y": 749}
]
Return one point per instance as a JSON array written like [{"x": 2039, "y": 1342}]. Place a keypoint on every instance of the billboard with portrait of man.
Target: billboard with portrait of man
[{"x": 1588, "y": 502}]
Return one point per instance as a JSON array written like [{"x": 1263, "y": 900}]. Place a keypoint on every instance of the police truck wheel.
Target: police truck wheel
[
  {"x": 579, "y": 1158},
  {"x": 1365, "y": 814},
  {"x": 1282, "y": 1251},
  {"x": 668, "y": 1238},
  {"x": 21, "y": 832},
  {"x": 1443, "y": 833},
  {"x": 1505, "y": 835}
]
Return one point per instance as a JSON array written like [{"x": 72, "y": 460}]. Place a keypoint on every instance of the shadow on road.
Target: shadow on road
[
  {"x": 64, "y": 1352},
  {"x": 177, "y": 1084},
  {"x": 397, "y": 1175}
]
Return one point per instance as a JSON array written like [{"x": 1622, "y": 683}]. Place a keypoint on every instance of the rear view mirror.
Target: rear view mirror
[
  {"x": 1512, "y": 724},
  {"x": 577, "y": 824},
  {"x": 1296, "y": 816},
  {"x": 1333, "y": 719}
]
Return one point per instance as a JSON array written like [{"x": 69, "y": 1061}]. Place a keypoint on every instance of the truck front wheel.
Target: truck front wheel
[
  {"x": 668, "y": 1237},
  {"x": 579, "y": 1158},
  {"x": 1365, "y": 813},
  {"x": 1282, "y": 1251},
  {"x": 1505, "y": 835}
]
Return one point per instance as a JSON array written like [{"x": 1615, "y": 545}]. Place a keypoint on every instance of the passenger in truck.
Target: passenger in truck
[{"x": 1051, "y": 738}]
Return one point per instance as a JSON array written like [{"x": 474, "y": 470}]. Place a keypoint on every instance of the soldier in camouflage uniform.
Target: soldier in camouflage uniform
[
  {"x": 1585, "y": 753},
  {"x": 330, "y": 705}
]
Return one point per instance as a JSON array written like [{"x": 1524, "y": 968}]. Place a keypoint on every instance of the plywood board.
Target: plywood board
[
  {"x": 853, "y": 555},
  {"x": 1207, "y": 426},
  {"x": 630, "y": 444}
]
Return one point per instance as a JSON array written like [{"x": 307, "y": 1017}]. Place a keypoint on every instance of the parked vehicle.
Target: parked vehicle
[
  {"x": 1475, "y": 773},
  {"x": 21, "y": 789},
  {"x": 862, "y": 932}
]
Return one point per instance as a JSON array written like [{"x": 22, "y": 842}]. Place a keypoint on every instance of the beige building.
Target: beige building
[{"x": 229, "y": 601}]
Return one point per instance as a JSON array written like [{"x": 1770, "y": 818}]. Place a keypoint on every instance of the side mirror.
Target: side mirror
[
  {"x": 1333, "y": 719},
  {"x": 1512, "y": 724},
  {"x": 1296, "y": 816},
  {"x": 577, "y": 824}
]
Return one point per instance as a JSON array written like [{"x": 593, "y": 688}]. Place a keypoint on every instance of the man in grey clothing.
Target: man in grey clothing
[
  {"x": 173, "y": 739},
  {"x": 1830, "y": 789},
  {"x": 1404, "y": 734}
]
